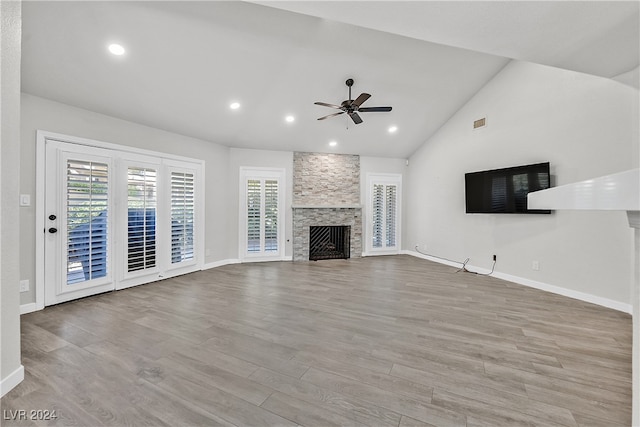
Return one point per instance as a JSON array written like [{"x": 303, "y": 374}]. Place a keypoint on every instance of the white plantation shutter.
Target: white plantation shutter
[
  {"x": 378, "y": 215},
  {"x": 254, "y": 215},
  {"x": 182, "y": 216},
  {"x": 384, "y": 221},
  {"x": 271, "y": 215},
  {"x": 390, "y": 215},
  {"x": 141, "y": 218},
  {"x": 87, "y": 220}
]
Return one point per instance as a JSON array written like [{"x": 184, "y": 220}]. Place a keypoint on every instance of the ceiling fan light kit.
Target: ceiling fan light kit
[{"x": 352, "y": 107}]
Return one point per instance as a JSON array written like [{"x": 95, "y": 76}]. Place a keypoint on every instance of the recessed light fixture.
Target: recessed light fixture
[
  {"x": 234, "y": 105},
  {"x": 393, "y": 129},
  {"x": 333, "y": 143},
  {"x": 290, "y": 119},
  {"x": 116, "y": 49}
]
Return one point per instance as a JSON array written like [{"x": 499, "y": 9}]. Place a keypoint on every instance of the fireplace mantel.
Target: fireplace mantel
[{"x": 326, "y": 206}]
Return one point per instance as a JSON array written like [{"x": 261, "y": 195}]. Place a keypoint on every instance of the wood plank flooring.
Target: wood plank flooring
[{"x": 384, "y": 341}]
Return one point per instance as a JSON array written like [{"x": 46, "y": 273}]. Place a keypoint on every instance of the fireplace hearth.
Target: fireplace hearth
[{"x": 329, "y": 242}]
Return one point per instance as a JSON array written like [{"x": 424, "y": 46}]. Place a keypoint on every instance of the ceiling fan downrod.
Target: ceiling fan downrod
[{"x": 349, "y": 83}]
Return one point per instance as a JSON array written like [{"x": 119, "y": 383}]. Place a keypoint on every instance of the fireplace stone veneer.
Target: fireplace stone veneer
[{"x": 326, "y": 192}]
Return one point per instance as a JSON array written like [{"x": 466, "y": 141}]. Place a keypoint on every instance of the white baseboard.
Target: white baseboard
[
  {"x": 582, "y": 296},
  {"x": 13, "y": 379},
  {"x": 239, "y": 261},
  {"x": 257, "y": 259},
  {"x": 28, "y": 308},
  {"x": 431, "y": 258},
  {"x": 220, "y": 263},
  {"x": 381, "y": 253}
]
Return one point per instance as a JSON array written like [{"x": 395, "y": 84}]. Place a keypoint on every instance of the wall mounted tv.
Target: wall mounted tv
[{"x": 505, "y": 191}]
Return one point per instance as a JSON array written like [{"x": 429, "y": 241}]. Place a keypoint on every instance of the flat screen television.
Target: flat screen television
[{"x": 504, "y": 191}]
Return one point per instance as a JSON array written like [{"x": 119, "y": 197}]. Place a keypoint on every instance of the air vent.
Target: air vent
[{"x": 480, "y": 123}]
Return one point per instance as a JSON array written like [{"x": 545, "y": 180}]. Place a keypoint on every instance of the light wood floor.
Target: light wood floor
[{"x": 384, "y": 341}]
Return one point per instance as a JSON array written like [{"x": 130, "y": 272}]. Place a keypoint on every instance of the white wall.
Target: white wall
[
  {"x": 585, "y": 126},
  {"x": 11, "y": 371},
  {"x": 262, "y": 159},
  {"x": 370, "y": 165},
  {"x": 43, "y": 114}
]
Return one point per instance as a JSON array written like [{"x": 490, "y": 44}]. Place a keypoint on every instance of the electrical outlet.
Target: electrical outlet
[
  {"x": 535, "y": 265},
  {"x": 24, "y": 286}
]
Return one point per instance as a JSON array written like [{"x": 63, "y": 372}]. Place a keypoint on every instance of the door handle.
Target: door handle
[
  {"x": 52, "y": 217},
  {"x": 53, "y": 230}
]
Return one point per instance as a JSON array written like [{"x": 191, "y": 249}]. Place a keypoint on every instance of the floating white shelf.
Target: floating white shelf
[{"x": 619, "y": 191}]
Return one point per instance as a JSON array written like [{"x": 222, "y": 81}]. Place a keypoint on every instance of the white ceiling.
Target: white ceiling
[{"x": 187, "y": 61}]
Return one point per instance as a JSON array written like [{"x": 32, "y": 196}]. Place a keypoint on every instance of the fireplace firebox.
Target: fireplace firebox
[{"x": 329, "y": 242}]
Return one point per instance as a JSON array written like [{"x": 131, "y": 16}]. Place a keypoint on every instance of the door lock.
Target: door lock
[
  {"x": 52, "y": 217},
  {"x": 53, "y": 230}
]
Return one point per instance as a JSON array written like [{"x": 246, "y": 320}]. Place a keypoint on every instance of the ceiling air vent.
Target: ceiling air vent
[{"x": 480, "y": 123}]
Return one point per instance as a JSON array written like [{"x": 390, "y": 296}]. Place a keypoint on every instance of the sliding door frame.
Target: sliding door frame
[{"x": 168, "y": 162}]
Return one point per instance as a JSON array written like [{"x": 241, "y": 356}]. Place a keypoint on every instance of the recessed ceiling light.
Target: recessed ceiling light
[
  {"x": 333, "y": 143},
  {"x": 234, "y": 105},
  {"x": 392, "y": 129},
  {"x": 290, "y": 119},
  {"x": 116, "y": 49}
]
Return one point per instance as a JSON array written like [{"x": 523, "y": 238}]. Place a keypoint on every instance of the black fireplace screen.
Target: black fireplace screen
[{"x": 329, "y": 242}]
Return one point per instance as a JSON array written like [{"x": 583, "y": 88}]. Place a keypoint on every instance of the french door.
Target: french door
[
  {"x": 261, "y": 214},
  {"x": 383, "y": 217},
  {"x": 79, "y": 223},
  {"x": 115, "y": 219}
]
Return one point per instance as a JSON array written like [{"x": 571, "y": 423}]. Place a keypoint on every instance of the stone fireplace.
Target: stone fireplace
[{"x": 326, "y": 192}]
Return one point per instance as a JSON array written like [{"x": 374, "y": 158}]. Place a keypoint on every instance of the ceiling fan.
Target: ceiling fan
[{"x": 352, "y": 107}]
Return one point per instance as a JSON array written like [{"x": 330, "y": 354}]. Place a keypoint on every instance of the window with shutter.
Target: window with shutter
[
  {"x": 271, "y": 215},
  {"x": 378, "y": 215},
  {"x": 254, "y": 215},
  {"x": 141, "y": 218},
  {"x": 182, "y": 216},
  {"x": 390, "y": 215},
  {"x": 87, "y": 213}
]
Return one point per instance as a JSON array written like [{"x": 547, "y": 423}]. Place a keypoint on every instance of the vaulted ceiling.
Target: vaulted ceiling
[{"x": 186, "y": 62}]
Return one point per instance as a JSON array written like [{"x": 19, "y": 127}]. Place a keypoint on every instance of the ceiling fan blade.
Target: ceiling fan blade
[
  {"x": 372, "y": 109},
  {"x": 356, "y": 118},
  {"x": 331, "y": 115},
  {"x": 359, "y": 100},
  {"x": 324, "y": 104}
]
